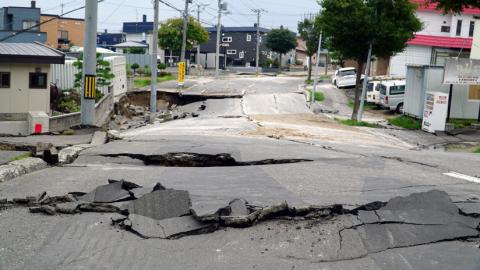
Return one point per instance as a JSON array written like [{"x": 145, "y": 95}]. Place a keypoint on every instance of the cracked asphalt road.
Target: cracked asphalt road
[{"x": 348, "y": 172}]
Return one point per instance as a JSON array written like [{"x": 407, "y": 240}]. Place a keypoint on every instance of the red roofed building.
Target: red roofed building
[{"x": 443, "y": 36}]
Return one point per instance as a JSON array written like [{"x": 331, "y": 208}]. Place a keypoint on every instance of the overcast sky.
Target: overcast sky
[{"x": 113, "y": 12}]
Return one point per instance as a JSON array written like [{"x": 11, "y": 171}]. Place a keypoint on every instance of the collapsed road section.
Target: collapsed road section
[{"x": 159, "y": 212}]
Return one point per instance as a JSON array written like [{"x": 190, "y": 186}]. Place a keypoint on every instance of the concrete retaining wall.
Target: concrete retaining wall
[{"x": 103, "y": 110}]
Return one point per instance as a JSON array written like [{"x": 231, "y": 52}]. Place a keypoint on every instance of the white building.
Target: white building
[
  {"x": 142, "y": 32},
  {"x": 443, "y": 36}
]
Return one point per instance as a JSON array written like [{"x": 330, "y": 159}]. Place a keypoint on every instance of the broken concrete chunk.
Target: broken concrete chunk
[
  {"x": 68, "y": 208},
  {"x": 238, "y": 207},
  {"x": 113, "y": 192},
  {"x": 97, "y": 207},
  {"x": 99, "y": 138},
  {"x": 3, "y": 201},
  {"x": 126, "y": 184},
  {"x": 49, "y": 210},
  {"x": 161, "y": 204}
]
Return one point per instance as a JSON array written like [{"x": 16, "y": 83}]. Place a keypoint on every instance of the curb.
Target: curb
[{"x": 21, "y": 167}]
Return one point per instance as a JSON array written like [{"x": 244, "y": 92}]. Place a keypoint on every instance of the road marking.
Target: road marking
[
  {"x": 251, "y": 85},
  {"x": 464, "y": 177}
]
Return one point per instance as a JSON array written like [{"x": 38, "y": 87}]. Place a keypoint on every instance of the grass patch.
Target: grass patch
[
  {"x": 406, "y": 122},
  {"x": 144, "y": 81},
  {"x": 22, "y": 156},
  {"x": 325, "y": 77},
  {"x": 462, "y": 123},
  {"x": 319, "y": 96},
  {"x": 350, "y": 122},
  {"x": 308, "y": 82},
  {"x": 477, "y": 151}
]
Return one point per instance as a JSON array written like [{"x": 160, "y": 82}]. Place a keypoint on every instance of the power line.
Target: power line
[{"x": 42, "y": 23}]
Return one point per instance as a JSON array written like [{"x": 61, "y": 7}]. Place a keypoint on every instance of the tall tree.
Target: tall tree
[
  {"x": 170, "y": 34},
  {"x": 281, "y": 41},
  {"x": 454, "y": 5},
  {"x": 309, "y": 31},
  {"x": 352, "y": 25}
]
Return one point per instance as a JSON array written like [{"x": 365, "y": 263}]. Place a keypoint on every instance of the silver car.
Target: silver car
[{"x": 392, "y": 94}]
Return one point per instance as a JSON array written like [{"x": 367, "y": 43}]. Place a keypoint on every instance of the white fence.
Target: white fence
[{"x": 64, "y": 75}]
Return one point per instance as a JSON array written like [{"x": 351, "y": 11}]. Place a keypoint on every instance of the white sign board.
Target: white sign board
[{"x": 461, "y": 71}]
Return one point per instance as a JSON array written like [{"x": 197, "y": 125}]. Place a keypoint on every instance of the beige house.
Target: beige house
[{"x": 25, "y": 84}]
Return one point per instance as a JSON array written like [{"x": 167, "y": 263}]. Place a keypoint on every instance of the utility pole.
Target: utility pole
[
  {"x": 89, "y": 64},
  {"x": 365, "y": 82},
  {"x": 62, "y": 5},
  {"x": 317, "y": 74},
  {"x": 200, "y": 7},
  {"x": 257, "y": 57},
  {"x": 184, "y": 33},
  {"x": 221, "y": 7},
  {"x": 153, "y": 90}
]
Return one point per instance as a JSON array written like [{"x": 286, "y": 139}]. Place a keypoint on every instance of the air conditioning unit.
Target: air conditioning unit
[{"x": 38, "y": 122}]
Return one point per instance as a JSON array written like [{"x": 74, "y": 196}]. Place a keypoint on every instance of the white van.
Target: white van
[
  {"x": 373, "y": 94},
  {"x": 392, "y": 94}
]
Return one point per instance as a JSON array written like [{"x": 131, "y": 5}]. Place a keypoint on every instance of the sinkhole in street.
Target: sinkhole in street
[{"x": 186, "y": 159}]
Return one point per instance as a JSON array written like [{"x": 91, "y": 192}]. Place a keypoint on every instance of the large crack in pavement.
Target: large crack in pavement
[
  {"x": 162, "y": 213},
  {"x": 189, "y": 159}
]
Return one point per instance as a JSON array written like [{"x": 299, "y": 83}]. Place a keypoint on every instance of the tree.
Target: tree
[
  {"x": 136, "y": 50},
  {"x": 309, "y": 31},
  {"x": 170, "y": 34},
  {"x": 455, "y": 5},
  {"x": 352, "y": 25},
  {"x": 281, "y": 41},
  {"x": 104, "y": 72},
  {"x": 135, "y": 66}
]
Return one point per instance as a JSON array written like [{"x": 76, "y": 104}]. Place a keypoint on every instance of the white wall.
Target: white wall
[
  {"x": 417, "y": 55},
  {"x": 19, "y": 98},
  {"x": 118, "y": 66},
  {"x": 433, "y": 21}
]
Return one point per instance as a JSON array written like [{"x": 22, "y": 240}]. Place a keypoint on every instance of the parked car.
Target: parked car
[
  {"x": 373, "y": 94},
  {"x": 392, "y": 94},
  {"x": 345, "y": 77}
]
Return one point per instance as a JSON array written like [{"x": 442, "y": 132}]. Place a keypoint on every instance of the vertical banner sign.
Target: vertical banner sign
[
  {"x": 181, "y": 73},
  {"x": 90, "y": 86}
]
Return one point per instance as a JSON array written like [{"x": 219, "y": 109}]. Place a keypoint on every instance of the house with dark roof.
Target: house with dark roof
[
  {"x": 15, "y": 19},
  {"x": 25, "y": 84},
  {"x": 238, "y": 47},
  {"x": 142, "y": 32},
  {"x": 106, "y": 39},
  {"x": 443, "y": 36}
]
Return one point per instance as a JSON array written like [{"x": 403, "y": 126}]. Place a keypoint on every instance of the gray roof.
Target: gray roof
[
  {"x": 239, "y": 29},
  {"x": 131, "y": 44},
  {"x": 35, "y": 53}
]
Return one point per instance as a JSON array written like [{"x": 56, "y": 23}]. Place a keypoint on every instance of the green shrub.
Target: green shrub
[
  {"x": 135, "y": 66},
  {"x": 141, "y": 71},
  {"x": 161, "y": 66},
  {"x": 148, "y": 72}
]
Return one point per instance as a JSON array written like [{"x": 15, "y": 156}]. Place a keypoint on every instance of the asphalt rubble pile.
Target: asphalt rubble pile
[
  {"x": 134, "y": 116},
  {"x": 159, "y": 212}
]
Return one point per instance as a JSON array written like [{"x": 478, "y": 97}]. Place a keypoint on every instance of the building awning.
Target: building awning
[
  {"x": 30, "y": 53},
  {"x": 443, "y": 42},
  {"x": 131, "y": 44}
]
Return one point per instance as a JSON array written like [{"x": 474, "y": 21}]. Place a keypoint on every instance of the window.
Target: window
[
  {"x": 382, "y": 89},
  {"x": 472, "y": 29},
  {"x": 445, "y": 29},
  {"x": 226, "y": 39},
  {"x": 241, "y": 54},
  {"x": 459, "y": 27},
  {"x": 63, "y": 35},
  {"x": 38, "y": 80},
  {"x": 231, "y": 51},
  {"x": 249, "y": 37},
  {"x": 370, "y": 87},
  {"x": 98, "y": 40},
  {"x": 347, "y": 72},
  {"x": 30, "y": 24},
  {"x": 4, "y": 79},
  {"x": 397, "y": 90}
]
